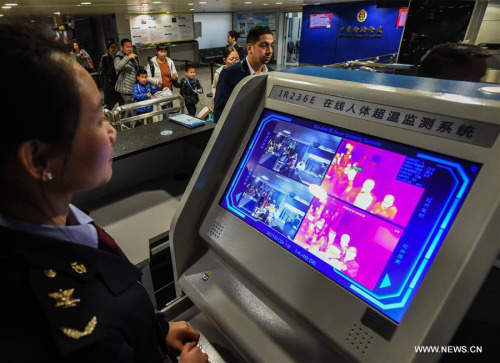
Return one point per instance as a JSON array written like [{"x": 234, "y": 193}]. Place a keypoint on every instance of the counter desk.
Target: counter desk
[{"x": 150, "y": 172}]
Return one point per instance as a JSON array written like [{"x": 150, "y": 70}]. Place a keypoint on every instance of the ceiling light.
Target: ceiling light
[
  {"x": 11, "y": 4},
  {"x": 202, "y": 2},
  {"x": 279, "y": 3},
  {"x": 248, "y": 2},
  {"x": 1, "y": 15},
  {"x": 57, "y": 13},
  {"x": 86, "y": 3},
  {"x": 190, "y": 4},
  {"x": 144, "y": 4},
  {"x": 156, "y": 2},
  {"x": 6, "y": 7},
  {"x": 265, "y": 4},
  {"x": 191, "y": 9}
]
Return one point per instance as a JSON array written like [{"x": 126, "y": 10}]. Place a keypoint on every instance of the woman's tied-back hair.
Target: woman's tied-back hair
[{"x": 41, "y": 99}]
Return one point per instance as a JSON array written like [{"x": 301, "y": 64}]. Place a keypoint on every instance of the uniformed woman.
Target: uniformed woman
[{"x": 68, "y": 294}]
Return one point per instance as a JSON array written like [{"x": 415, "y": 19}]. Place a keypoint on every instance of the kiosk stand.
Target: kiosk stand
[{"x": 343, "y": 216}]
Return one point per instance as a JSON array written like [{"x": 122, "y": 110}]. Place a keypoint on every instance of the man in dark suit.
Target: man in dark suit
[
  {"x": 260, "y": 42},
  {"x": 232, "y": 41}
]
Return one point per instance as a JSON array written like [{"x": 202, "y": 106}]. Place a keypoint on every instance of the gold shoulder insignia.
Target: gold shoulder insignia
[
  {"x": 79, "y": 268},
  {"x": 77, "y": 334},
  {"x": 64, "y": 298}
]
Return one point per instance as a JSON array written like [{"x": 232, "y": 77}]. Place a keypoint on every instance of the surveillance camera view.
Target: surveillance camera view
[{"x": 368, "y": 213}]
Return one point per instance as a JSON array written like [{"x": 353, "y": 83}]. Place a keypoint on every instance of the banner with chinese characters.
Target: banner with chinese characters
[
  {"x": 160, "y": 28},
  {"x": 468, "y": 131}
]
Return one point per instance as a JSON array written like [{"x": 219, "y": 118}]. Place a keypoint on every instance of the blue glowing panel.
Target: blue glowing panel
[{"x": 367, "y": 212}]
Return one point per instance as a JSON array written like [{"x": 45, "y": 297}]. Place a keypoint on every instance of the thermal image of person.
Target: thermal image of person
[
  {"x": 348, "y": 263},
  {"x": 317, "y": 232},
  {"x": 386, "y": 208},
  {"x": 337, "y": 251},
  {"x": 326, "y": 240},
  {"x": 365, "y": 197}
]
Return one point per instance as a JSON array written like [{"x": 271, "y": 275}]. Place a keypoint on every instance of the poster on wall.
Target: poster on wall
[
  {"x": 248, "y": 21},
  {"x": 156, "y": 28}
]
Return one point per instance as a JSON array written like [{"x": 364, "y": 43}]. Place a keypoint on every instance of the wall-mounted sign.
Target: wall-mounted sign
[
  {"x": 160, "y": 28},
  {"x": 401, "y": 21},
  {"x": 320, "y": 21},
  {"x": 367, "y": 31}
]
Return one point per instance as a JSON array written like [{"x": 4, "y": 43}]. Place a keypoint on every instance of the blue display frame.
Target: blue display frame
[{"x": 436, "y": 186}]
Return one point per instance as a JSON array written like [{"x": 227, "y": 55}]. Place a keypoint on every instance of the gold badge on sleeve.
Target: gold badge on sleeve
[{"x": 77, "y": 334}]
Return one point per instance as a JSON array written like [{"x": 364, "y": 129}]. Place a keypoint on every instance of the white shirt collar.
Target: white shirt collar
[
  {"x": 252, "y": 72},
  {"x": 83, "y": 233}
]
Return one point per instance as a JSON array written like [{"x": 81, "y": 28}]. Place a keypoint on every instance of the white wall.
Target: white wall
[
  {"x": 214, "y": 28},
  {"x": 489, "y": 32},
  {"x": 122, "y": 26}
]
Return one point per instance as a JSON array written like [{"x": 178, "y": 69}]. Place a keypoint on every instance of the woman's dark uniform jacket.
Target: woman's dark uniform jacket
[{"x": 64, "y": 302}]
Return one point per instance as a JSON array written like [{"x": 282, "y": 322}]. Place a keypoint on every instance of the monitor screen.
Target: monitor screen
[
  {"x": 368, "y": 213},
  {"x": 401, "y": 20},
  {"x": 320, "y": 21}
]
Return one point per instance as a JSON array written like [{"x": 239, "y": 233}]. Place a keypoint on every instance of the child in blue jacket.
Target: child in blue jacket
[{"x": 142, "y": 91}]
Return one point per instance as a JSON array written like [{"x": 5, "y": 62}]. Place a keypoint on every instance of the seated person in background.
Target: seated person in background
[
  {"x": 69, "y": 294},
  {"x": 143, "y": 91},
  {"x": 385, "y": 208},
  {"x": 456, "y": 61}
]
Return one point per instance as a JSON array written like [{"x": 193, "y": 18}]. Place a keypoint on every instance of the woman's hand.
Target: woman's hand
[
  {"x": 179, "y": 334},
  {"x": 192, "y": 354}
]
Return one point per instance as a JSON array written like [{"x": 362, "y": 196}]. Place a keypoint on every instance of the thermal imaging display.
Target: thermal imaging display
[{"x": 368, "y": 213}]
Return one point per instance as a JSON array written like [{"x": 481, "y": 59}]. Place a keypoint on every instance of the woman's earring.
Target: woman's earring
[{"x": 49, "y": 176}]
